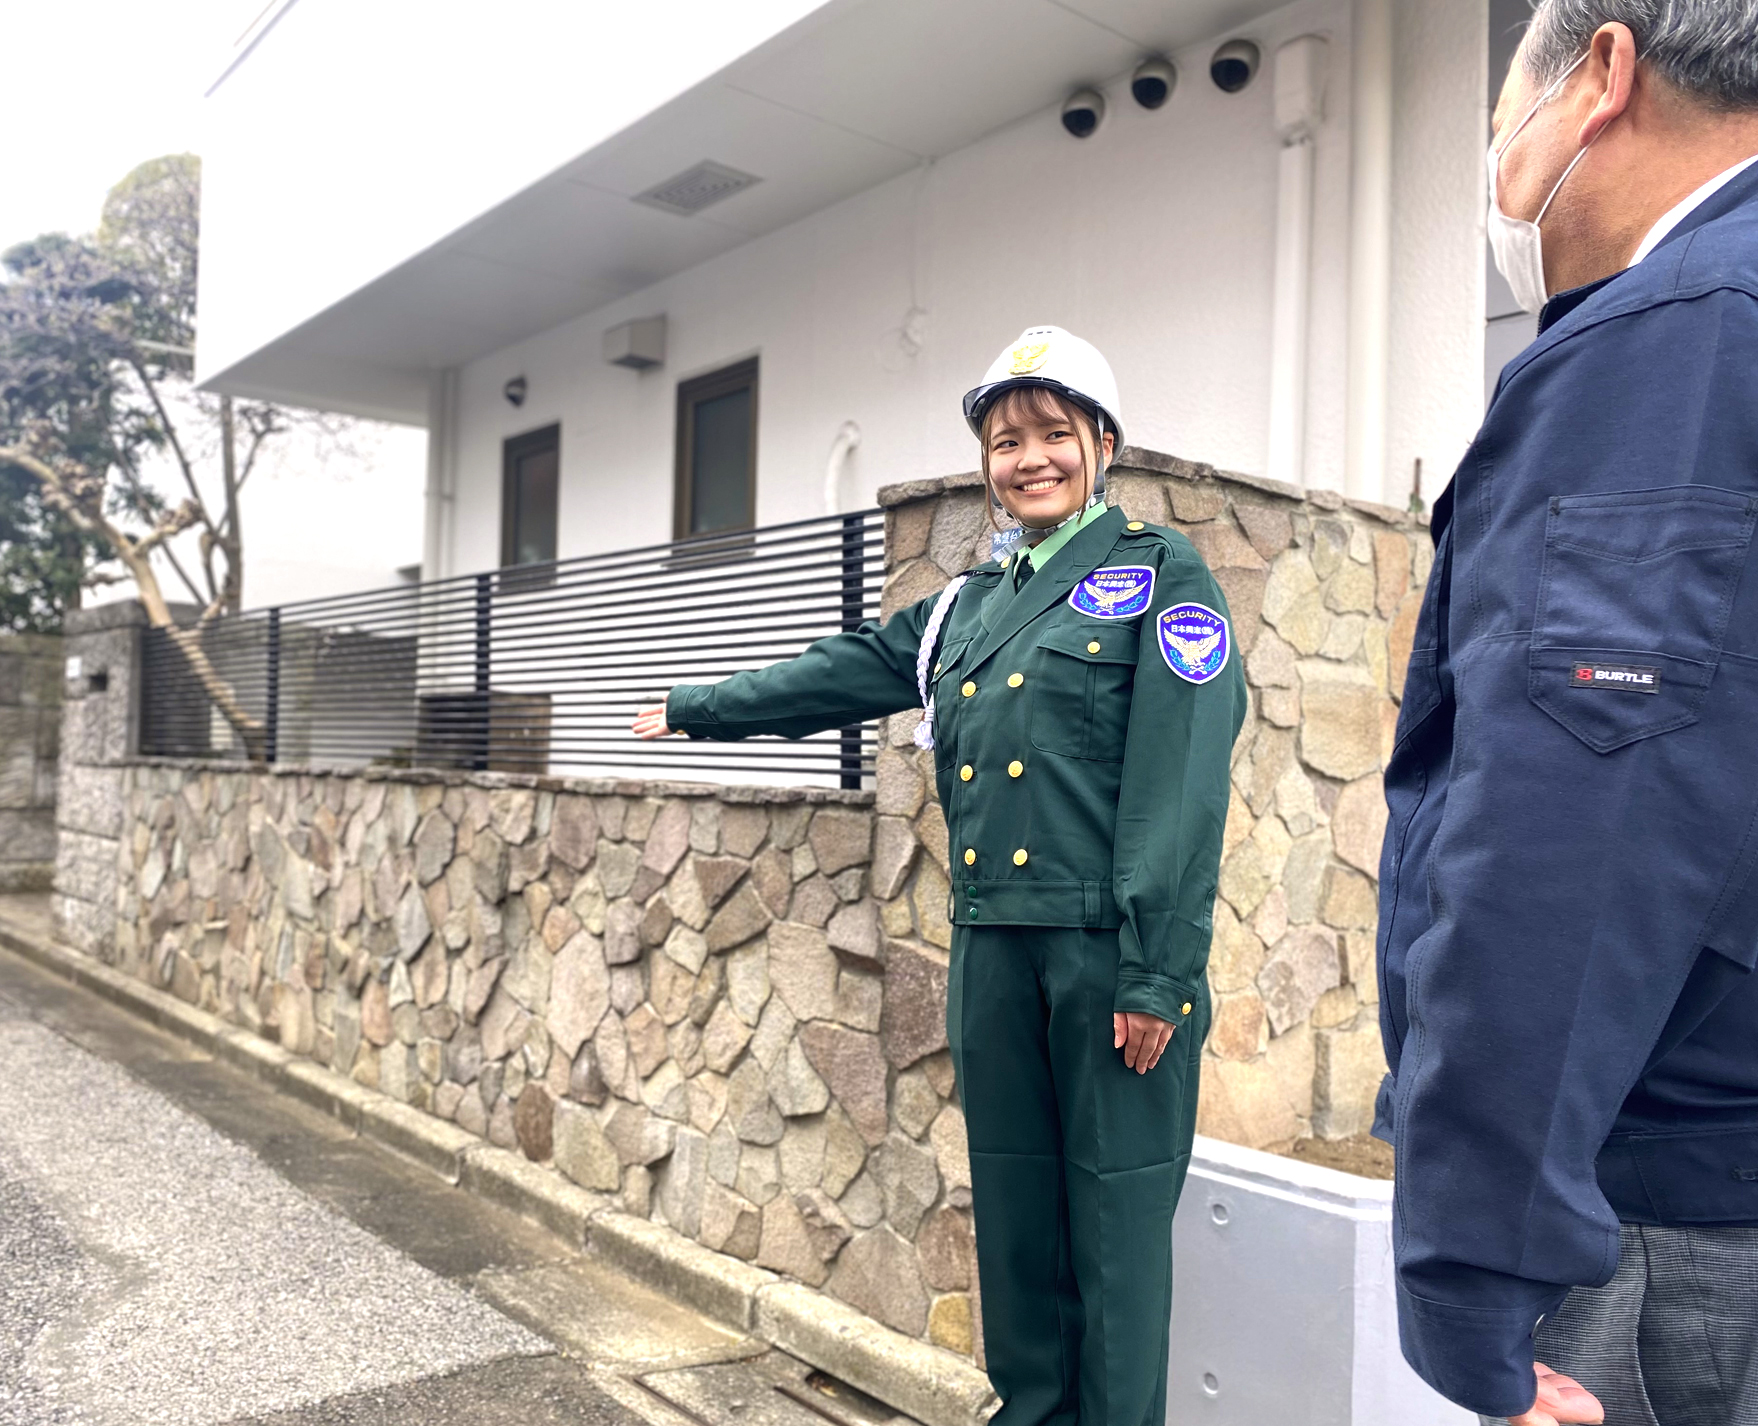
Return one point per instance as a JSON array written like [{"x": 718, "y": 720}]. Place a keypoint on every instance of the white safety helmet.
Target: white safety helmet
[{"x": 1061, "y": 362}]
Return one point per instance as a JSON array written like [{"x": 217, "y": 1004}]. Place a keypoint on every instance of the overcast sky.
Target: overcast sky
[{"x": 95, "y": 87}]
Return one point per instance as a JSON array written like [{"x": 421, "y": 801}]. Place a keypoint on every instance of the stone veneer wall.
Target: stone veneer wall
[
  {"x": 723, "y": 1007},
  {"x": 677, "y": 995},
  {"x": 30, "y": 734},
  {"x": 1324, "y": 594}
]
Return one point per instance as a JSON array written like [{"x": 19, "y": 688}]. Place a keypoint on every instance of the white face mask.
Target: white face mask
[{"x": 1519, "y": 246}]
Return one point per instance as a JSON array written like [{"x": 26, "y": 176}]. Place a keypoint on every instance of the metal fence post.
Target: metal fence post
[
  {"x": 854, "y": 529},
  {"x": 272, "y": 714},
  {"x": 484, "y": 698}
]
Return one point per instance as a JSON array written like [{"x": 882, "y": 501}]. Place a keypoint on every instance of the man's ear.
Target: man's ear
[{"x": 1610, "y": 71}]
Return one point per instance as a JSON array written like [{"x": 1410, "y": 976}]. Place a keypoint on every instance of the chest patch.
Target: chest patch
[
  {"x": 1120, "y": 592},
  {"x": 1195, "y": 642}
]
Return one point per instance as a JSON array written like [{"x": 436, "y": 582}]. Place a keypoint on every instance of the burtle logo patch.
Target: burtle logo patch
[
  {"x": 1622, "y": 677},
  {"x": 1195, "y": 642},
  {"x": 1120, "y": 592}
]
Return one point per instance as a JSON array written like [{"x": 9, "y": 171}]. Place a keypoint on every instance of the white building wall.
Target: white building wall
[
  {"x": 1440, "y": 198},
  {"x": 1154, "y": 239}
]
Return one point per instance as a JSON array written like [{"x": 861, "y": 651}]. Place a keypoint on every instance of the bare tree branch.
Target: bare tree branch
[
  {"x": 170, "y": 429},
  {"x": 195, "y": 595}
]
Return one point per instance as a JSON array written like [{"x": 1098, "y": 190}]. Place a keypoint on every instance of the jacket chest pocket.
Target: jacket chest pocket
[
  {"x": 944, "y": 682},
  {"x": 1633, "y": 605},
  {"x": 1081, "y": 694}
]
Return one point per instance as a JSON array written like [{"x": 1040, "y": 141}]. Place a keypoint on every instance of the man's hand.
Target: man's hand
[
  {"x": 650, "y": 723},
  {"x": 1561, "y": 1401},
  {"x": 1142, "y": 1038}
]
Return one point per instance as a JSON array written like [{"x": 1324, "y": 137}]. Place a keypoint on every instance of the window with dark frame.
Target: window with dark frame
[
  {"x": 717, "y": 452},
  {"x": 530, "y": 493}
]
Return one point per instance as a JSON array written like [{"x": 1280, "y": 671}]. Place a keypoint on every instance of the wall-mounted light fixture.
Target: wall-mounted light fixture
[{"x": 515, "y": 390}]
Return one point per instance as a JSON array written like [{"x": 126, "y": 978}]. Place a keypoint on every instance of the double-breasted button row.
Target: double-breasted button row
[
  {"x": 1020, "y": 858},
  {"x": 1014, "y": 769}
]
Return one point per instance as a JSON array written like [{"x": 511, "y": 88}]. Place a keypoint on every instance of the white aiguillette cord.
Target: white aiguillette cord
[{"x": 930, "y": 637}]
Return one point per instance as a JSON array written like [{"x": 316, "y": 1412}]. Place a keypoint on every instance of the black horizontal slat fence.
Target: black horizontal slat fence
[{"x": 534, "y": 669}]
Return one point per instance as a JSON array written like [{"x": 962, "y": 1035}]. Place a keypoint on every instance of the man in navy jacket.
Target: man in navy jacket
[{"x": 1569, "y": 901}]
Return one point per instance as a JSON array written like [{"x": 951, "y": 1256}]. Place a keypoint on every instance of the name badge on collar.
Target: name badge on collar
[
  {"x": 1120, "y": 592},
  {"x": 1195, "y": 642}
]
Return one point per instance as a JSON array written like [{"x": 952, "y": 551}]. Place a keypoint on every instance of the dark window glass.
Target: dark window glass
[
  {"x": 717, "y": 451},
  {"x": 529, "y": 494}
]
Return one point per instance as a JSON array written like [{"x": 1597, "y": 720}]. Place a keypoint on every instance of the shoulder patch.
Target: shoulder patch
[
  {"x": 1115, "y": 592},
  {"x": 1195, "y": 641}
]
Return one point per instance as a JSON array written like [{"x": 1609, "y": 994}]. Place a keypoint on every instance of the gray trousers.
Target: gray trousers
[{"x": 1672, "y": 1339}]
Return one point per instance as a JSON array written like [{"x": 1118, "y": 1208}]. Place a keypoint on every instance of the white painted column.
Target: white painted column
[
  {"x": 1300, "y": 87},
  {"x": 1370, "y": 255}
]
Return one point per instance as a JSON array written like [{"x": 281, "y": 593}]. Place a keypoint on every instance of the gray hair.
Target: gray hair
[{"x": 1706, "y": 49}]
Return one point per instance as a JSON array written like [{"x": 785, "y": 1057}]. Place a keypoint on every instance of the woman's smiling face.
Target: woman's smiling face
[{"x": 1038, "y": 453}]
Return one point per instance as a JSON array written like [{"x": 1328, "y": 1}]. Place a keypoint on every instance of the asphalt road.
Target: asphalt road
[{"x": 180, "y": 1245}]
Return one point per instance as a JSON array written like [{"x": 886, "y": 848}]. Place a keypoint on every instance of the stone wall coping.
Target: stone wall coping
[
  {"x": 31, "y": 646},
  {"x": 1138, "y": 460},
  {"x": 734, "y": 793},
  {"x": 119, "y": 614}
]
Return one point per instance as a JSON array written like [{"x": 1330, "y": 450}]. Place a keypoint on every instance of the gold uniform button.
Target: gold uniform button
[
  {"x": 970, "y": 856},
  {"x": 1093, "y": 647},
  {"x": 1187, "y": 1007},
  {"x": 1019, "y": 857},
  {"x": 1015, "y": 679},
  {"x": 967, "y": 772},
  {"x": 1136, "y": 525},
  {"x": 1014, "y": 769},
  {"x": 1005, "y": 560},
  {"x": 968, "y": 689},
  {"x": 936, "y": 668}
]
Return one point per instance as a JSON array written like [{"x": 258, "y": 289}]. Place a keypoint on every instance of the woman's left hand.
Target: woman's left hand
[{"x": 1142, "y": 1038}]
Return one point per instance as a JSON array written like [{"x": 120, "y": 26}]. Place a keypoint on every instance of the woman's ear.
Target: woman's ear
[{"x": 1108, "y": 443}]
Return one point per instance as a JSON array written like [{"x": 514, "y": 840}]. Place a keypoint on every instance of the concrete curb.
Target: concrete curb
[
  {"x": 930, "y": 1384},
  {"x": 927, "y": 1382},
  {"x": 723, "y": 1287}
]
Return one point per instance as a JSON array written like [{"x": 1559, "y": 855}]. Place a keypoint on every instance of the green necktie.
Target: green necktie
[{"x": 1022, "y": 570}]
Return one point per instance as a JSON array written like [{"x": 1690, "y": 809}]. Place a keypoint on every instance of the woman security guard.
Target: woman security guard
[{"x": 1083, "y": 694}]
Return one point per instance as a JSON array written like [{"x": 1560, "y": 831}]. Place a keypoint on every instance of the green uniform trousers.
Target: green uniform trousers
[{"x": 1076, "y": 1166}]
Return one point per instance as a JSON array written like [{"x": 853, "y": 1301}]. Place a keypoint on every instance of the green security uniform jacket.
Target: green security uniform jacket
[{"x": 1085, "y": 784}]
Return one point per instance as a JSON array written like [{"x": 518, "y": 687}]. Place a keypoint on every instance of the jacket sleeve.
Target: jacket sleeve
[
  {"x": 1173, "y": 804},
  {"x": 1589, "y": 834},
  {"x": 838, "y": 681}
]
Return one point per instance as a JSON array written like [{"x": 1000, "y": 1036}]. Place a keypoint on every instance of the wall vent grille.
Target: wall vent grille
[{"x": 697, "y": 188}]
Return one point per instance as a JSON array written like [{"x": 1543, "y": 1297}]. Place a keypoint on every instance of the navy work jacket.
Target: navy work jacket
[{"x": 1568, "y": 910}]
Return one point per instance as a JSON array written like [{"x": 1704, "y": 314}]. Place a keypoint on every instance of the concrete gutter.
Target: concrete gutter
[{"x": 932, "y": 1385}]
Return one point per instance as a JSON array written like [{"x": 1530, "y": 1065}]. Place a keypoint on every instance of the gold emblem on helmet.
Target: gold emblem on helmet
[{"x": 1028, "y": 357}]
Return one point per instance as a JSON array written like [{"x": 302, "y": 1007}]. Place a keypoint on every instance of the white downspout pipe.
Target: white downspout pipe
[
  {"x": 1370, "y": 250},
  {"x": 442, "y": 469},
  {"x": 1300, "y": 92},
  {"x": 847, "y": 441}
]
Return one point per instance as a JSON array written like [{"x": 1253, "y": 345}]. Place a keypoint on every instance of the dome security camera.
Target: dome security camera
[
  {"x": 1234, "y": 65},
  {"x": 1153, "y": 82},
  {"x": 1083, "y": 112}
]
